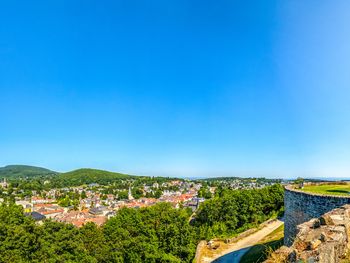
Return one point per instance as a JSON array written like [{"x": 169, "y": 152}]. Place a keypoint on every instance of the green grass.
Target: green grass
[
  {"x": 328, "y": 189},
  {"x": 260, "y": 251}
]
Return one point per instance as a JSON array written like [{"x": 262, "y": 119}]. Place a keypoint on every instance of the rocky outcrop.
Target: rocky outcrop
[
  {"x": 301, "y": 207},
  {"x": 324, "y": 240}
]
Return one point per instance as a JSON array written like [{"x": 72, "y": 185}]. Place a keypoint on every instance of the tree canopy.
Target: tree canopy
[{"x": 155, "y": 234}]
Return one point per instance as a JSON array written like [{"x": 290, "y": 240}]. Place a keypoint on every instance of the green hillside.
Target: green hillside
[
  {"x": 88, "y": 176},
  {"x": 23, "y": 171},
  {"x": 72, "y": 178}
]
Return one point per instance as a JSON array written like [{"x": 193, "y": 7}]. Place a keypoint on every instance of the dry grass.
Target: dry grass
[
  {"x": 265, "y": 247},
  {"x": 207, "y": 254}
]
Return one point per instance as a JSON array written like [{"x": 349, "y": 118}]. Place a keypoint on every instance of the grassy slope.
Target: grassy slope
[
  {"x": 328, "y": 189},
  {"x": 259, "y": 252},
  {"x": 17, "y": 171}
]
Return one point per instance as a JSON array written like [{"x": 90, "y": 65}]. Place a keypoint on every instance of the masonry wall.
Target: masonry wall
[
  {"x": 301, "y": 207},
  {"x": 320, "y": 240}
]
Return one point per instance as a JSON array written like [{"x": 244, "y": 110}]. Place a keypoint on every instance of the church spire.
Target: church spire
[{"x": 130, "y": 197}]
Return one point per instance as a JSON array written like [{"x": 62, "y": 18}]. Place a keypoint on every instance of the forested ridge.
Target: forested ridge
[
  {"x": 155, "y": 234},
  {"x": 86, "y": 176},
  {"x": 25, "y": 171},
  {"x": 31, "y": 178}
]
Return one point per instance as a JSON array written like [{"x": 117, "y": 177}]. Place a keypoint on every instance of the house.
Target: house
[
  {"x": 50, "y": 212},
  {"x": 79, "y": 218},
  {"x": 95, "y": 211},
  {"x": 110, "y": 214},
  {"x": 40, "y": 200},
  {"x": 4, "y": 184},
  {"x": 36, "y": 216},
  {"x": 27, "y": 206}
]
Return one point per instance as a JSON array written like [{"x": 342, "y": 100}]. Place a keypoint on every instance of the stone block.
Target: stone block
[
  {"x": 326, "y": 220},
  {"x": 314, "y": 244}
]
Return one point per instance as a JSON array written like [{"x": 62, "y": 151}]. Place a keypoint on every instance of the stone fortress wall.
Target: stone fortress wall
[
  {"x": 301, "y": 207},
  {"x": 321, "y": 240}
]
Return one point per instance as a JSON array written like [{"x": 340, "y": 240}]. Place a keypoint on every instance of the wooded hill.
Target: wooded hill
[
  {"x": 88, "y": 176},
  {"x": 24, "y": 171},
  {"x": 72, "y": 178}
]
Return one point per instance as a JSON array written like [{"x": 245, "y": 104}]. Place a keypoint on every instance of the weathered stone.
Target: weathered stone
[
  {"x": 337, "y": 237},
  {"x": 327, "y": 254},
  {"x": 301, "y": 207},
  {"x": 314, "y": 244},
  {"x": 337, "y": 219},
  {"x": 316, "y": 223},
  {"x": 323, "y": 237},
  {"x": 311, "y": 260},
  {"x": 301, "y": 245},
  {"x": 326, "y": 220},
  {"x": 283, "y": 254},
  {"x": 292, "y": 257}
]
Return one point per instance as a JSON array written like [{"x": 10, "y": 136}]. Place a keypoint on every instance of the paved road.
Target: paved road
[{"x": 238, "y": 249}]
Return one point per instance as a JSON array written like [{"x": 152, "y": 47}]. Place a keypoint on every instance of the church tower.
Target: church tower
[{"x": 130, "y": 197}]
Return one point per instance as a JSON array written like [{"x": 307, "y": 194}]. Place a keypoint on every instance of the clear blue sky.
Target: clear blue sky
[{"x": 180, "y": 88}]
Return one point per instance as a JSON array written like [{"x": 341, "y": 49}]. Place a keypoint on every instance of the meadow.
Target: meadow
[{"x": 342, "y": 189}]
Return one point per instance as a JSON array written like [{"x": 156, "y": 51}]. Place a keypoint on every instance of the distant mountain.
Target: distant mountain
[
  {"x": 88, "y": 176},
  {"x": 21, "y": 171}
]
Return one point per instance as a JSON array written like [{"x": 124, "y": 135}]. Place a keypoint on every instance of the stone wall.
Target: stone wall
[
  {"x": 323, "y": 240},
  {"x": 300, "y": 207}
]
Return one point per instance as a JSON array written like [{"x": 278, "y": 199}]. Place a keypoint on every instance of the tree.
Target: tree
[
  {"x": 300, "y": 182},
  {"x": 234, "y": 211},
  {"x": 122, "y": 195},
  {"x": 83, "y": 195},
  {"x": 204, "y": 192},
  {"x": 95, "y": 242}
]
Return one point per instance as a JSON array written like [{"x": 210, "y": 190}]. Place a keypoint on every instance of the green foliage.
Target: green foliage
[
  {"x": 154, "y": 234},
  {"x": 204, "y": 192},
  {"x": 299, "y": 181},
  {"x": 22, "y": 171},
  {"x": 87, "y": 176},
  {"x": 122, "y": 195},
  {"x": 137, "y": 193},
  {"x": 236, "y": 210},
  {"x": 158, "y": 193},
  {"x": 29, "y": 178}
]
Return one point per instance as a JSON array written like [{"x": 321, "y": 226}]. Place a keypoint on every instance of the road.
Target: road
[{"x": 238, "y": 249}]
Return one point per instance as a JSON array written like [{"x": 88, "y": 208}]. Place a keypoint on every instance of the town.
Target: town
[{"x": 97, "y": 203}]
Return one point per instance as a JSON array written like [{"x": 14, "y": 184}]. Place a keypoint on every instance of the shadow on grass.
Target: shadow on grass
[
  {"x": 339, "y": 191},
  {"x": 260, "y": 252},
  {"x": 232, "y": 257}
]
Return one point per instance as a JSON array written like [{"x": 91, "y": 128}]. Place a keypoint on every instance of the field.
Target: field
[
  {"x": 260, "y": 251},
  {"x": 328, "y": 189}
]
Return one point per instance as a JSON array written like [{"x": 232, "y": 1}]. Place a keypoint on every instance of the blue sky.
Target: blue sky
[{"x": 177, "y": 88}]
